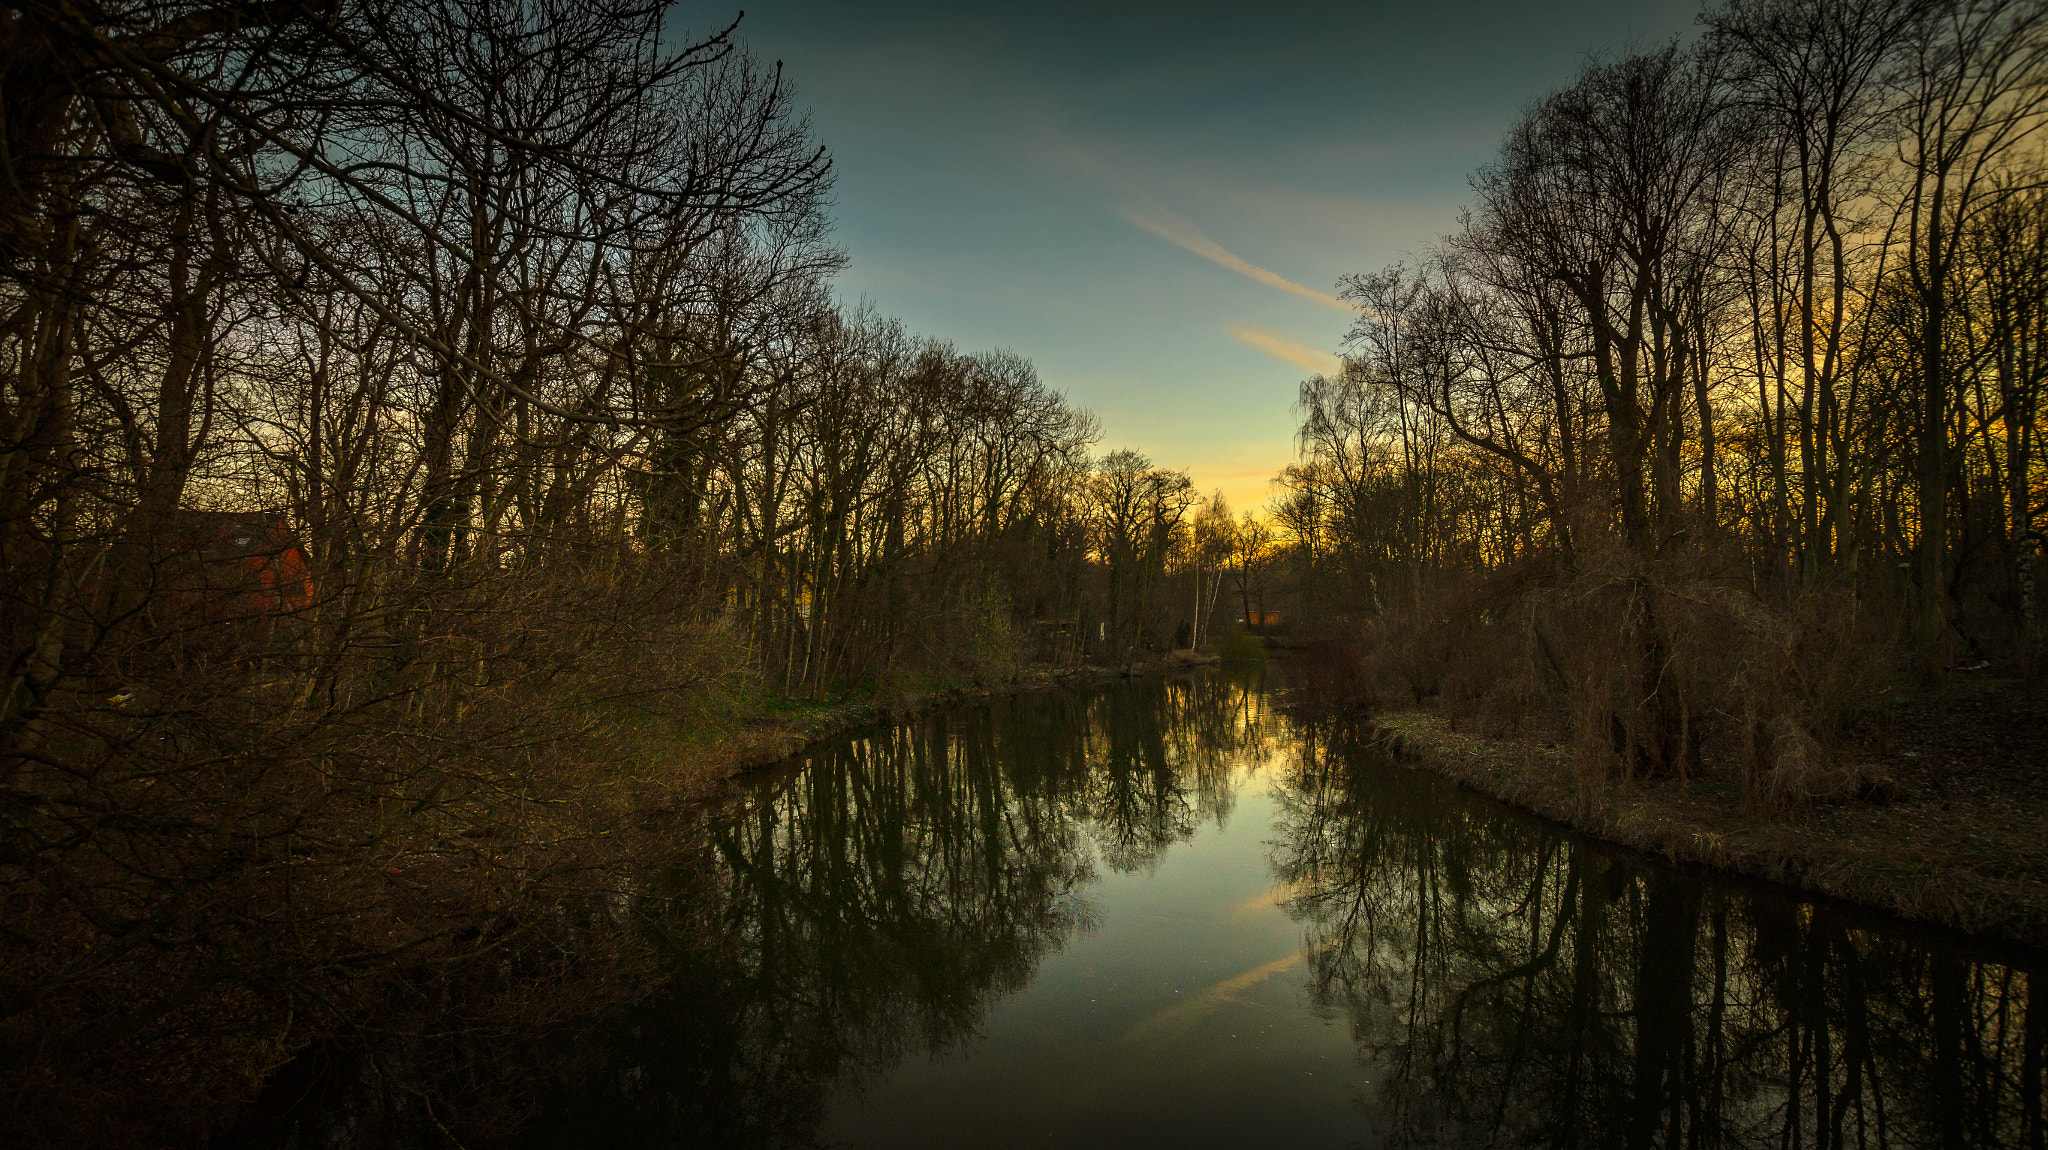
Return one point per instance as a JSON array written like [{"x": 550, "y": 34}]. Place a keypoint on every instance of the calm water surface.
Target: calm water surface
[{"x": 1165, "y": 915}]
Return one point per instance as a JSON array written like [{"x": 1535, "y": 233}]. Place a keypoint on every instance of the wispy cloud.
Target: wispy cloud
[
  {"x": 1181, "y": 1015},
  {"x": 1180, "y": 233},
  {"x": 1285, "y": 349}
]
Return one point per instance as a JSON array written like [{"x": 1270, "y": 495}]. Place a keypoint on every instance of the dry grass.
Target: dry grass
[
  {"x": 1673, "y": 706},
  {"x": 1959, "y": 838},
  {"x": 1669, "y": 668}
]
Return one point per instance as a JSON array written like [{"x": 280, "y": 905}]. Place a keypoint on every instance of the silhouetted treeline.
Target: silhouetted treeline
[
  {"x": 414, "y": 419},
  {"x": 1722, "y": 406}
]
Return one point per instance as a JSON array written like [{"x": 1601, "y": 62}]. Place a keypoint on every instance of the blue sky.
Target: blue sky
[{"x": 1034, "y": 177}]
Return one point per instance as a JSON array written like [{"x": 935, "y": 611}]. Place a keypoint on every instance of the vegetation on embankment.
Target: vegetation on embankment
[
  {"x": 370, "y": 594},
  {"x": 1948, "y": 822},
  {"x": 1239, "y": 645},
  {"x": 776, "y": 731},
  {"x": 1636, "y": 471}
]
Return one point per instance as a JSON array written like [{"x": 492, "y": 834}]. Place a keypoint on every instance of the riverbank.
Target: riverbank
[
  {"x": 753, "y": 743},
  {"x": 442, "y": 882},
  {"x": 1950, "y": 828}
]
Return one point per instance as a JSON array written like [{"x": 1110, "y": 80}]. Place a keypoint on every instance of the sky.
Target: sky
[{"x": 1154, "y": 202}]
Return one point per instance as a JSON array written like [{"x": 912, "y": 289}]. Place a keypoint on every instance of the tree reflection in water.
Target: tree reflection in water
[
  {"x": 1508, "y": 984},
  {"x": 876, "y": 899}
]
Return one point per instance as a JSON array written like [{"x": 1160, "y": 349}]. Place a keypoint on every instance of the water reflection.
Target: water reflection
[
  {"x": 838, "y": 923},
  {"x": 1513, "y": 986},
  {"x": 875, "y": 899}
]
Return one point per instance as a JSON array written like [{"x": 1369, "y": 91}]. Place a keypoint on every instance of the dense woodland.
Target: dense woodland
[
  {"x": 426, "y": 428},
  {"x": 1720, "y": 412}
]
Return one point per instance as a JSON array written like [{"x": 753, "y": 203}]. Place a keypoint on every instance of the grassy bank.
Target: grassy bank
[
  {"x": 769, "y": 731},
  {"x": 1949, "y": 826}
]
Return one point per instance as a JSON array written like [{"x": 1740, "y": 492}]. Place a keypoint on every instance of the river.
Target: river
[{"x": 1166, "y": 914}]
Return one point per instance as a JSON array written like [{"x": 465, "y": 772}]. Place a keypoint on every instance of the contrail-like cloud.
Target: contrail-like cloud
[
  {"x": 1192, "y": 1009},
  {"x": 1182, "y": 234},
  {"x": 1181, "y": 1015},
  {"x": 1286, "y": 350}
]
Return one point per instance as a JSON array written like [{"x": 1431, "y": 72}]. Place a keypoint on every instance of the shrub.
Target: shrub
[
  {"x": 1664, "y": 668},
  {"x": 1238, "y": 645}
]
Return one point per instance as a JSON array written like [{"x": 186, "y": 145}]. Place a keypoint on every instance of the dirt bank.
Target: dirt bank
[{"x": 1954, "y": 831}]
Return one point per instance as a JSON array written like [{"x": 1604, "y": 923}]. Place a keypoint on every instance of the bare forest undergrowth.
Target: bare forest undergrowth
[
  {"x": 441, "y": 858},
  {"x": 769, "y": 740},
  {"x": 1689, "y": 489},
  {"x": 1947, "y": 824},
  {"x": 432, "y": 453}
]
